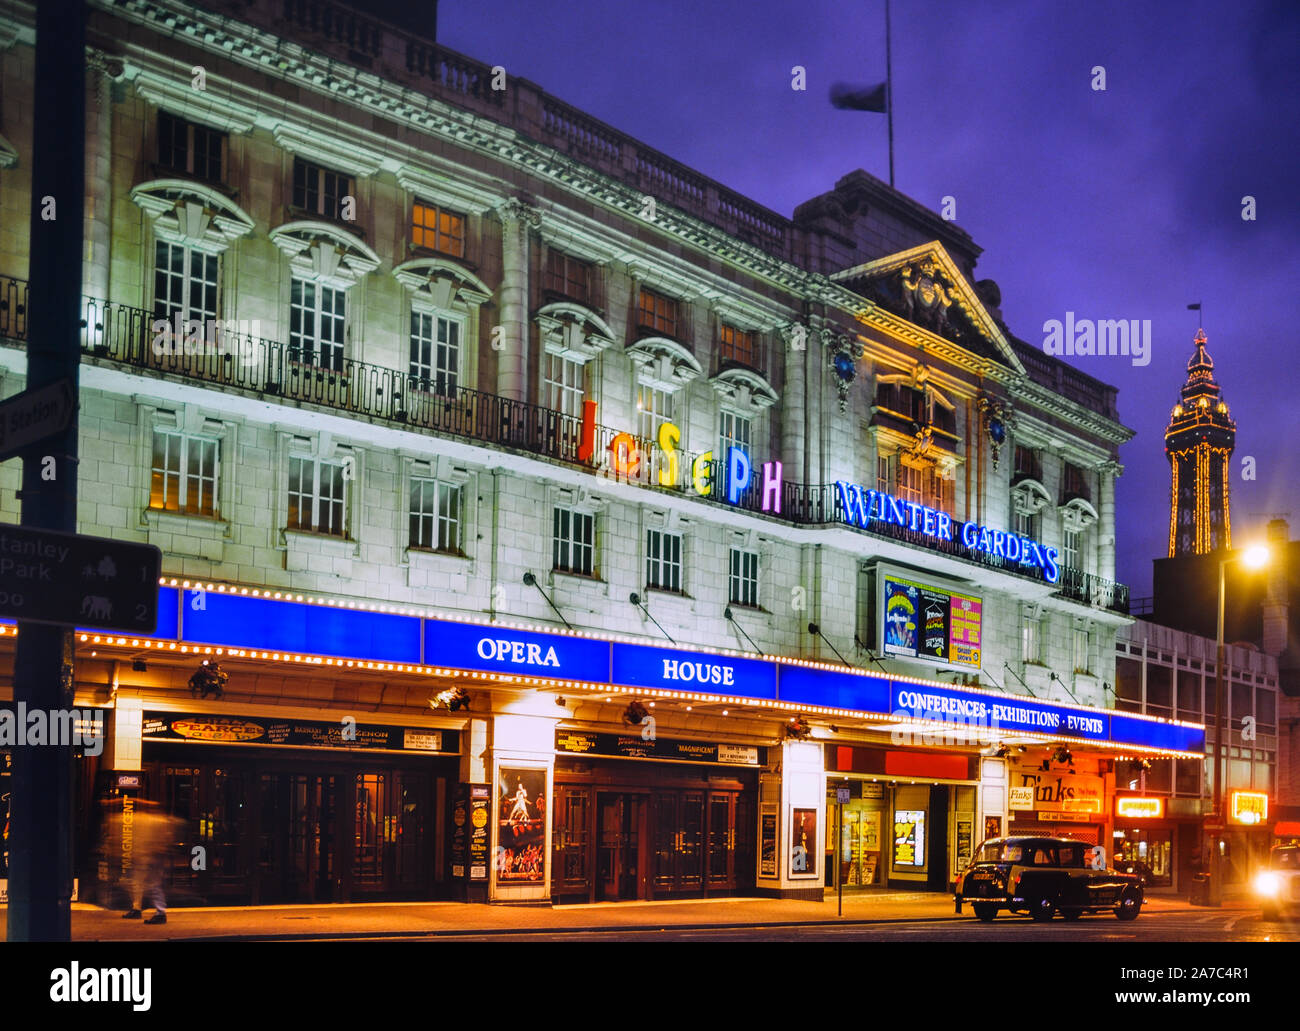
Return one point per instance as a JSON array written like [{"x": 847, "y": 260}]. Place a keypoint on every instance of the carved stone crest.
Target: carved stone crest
[{"x": 926, "y": 297}]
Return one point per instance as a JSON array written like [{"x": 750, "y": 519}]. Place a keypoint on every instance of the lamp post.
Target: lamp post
[{"x": 1255, "y": 557}]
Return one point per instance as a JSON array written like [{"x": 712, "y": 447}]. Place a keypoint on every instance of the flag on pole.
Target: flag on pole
[{"x": 860, "y": 98}]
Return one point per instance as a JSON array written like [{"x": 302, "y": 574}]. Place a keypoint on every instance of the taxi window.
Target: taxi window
[
  {"x": 999, "y": 852},
  {"x": 1043, "y": 856},
  {"x": 1070, "y": 855},
  {"x": 1286, "y": 859}
]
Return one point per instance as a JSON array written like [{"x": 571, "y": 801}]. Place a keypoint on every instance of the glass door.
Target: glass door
[{"x": 721, "y": 864}]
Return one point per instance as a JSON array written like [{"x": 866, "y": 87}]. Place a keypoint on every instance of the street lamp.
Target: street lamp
[{"x": 1254, "y": 557}]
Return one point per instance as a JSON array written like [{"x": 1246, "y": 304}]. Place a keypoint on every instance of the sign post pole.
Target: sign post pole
[
  {"x": 841, "y": 796},
  {"x": 40, "y": 837}
]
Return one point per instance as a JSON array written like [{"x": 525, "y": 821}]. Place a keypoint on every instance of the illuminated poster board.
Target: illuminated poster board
[
  {"x": 1249, "y": 807},
  {"x": 521, "y": 818},
  {"x": 909, "y": 837},
  {"x": 923, "y": 621}
]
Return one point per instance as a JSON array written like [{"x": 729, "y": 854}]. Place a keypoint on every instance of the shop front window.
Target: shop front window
[{"x": 1148, "y": 852}]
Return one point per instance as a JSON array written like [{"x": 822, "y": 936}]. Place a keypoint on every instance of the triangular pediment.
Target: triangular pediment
[{"x": 925, "y": 287}]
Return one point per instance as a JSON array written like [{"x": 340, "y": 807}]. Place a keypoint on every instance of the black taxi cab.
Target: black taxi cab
[{"x": 1043, "y": 877}]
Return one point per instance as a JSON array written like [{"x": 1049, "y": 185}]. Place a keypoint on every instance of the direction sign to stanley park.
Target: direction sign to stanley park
[
  {"x": 34, "y": 415},
  {"x": 73, "y": 580}
]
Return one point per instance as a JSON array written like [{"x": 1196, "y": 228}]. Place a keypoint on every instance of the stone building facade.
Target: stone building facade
[{"x": 374, "y": 326}]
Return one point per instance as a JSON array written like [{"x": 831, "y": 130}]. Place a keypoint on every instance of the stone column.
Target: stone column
[
  {"x": 1106, "y": 524},
  {"x": 794, "y": 339},
  {"x": 98, "y": 213},
  {"x": 512, "y": 360}
]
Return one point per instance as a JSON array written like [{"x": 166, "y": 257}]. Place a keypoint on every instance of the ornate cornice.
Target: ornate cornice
[
  {"x": 440, "y": 283},
  {"x": 188, "y": 212},
  {"x": 324, "y": 252}
]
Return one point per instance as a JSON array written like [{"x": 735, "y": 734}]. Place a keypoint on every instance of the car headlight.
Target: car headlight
[{"x": 1267, "y": 884}]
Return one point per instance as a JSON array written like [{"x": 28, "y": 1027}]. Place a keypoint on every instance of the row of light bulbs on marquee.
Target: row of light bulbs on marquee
[{"x": 549, "y": 682}]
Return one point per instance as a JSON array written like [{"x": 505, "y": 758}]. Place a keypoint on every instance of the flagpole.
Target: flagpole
[{"x": 889, "y": 96}]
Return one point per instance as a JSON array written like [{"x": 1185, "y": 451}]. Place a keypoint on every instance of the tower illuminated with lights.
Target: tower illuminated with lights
[{"x": 1199, "y": 442}]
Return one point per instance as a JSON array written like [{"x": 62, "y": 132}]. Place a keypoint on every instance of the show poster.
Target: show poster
[
  {"x": 927, "y": 622},
  {"x": 521, "y": 825},
  {"x": 965, "y": 622},
  {"x": 767, "y": 842},
  {"x": 934, "y": 624},
  {"x": 870, "y": 831},
  {"x": 804, "y": 843},
  {"x": 459, "y": 831},
  {"x": 901, "y": 598},
  {"x": 909, "y": 837},
  {"x": 480, "y": 813}
]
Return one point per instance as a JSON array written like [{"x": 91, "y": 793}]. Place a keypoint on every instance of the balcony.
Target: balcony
[
  {"x": 1092, "y": 590},
  {"x": 121, "y": 334}
]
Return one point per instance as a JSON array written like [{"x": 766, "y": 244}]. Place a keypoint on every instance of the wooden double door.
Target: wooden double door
[{"x": 617, "y": 843}]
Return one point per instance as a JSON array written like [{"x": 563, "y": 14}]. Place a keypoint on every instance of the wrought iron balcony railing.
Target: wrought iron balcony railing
[{"x": 125, "y": 334}]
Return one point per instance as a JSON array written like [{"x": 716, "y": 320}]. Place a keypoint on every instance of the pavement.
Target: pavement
[{"x": 434, "y": 919}]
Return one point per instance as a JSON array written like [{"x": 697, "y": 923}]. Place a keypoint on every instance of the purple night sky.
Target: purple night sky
[{"x": 1117, "y": 204}]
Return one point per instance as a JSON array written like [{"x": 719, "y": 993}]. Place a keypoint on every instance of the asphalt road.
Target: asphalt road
[{"x": 1149, "y": 927}]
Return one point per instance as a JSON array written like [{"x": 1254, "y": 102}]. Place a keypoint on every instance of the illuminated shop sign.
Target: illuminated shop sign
[
  {"x": 952, "y": 705},
  {"x": 628, "y": 462},
  {"x": 205, "y": 728},
  {"x": 1249, "y": 807},
  {"x": 921, "y": 621},
  {"x": 641, "y": 666},
  {"x": 634, "y": 746},
  {"x": 498, "y": 649},
  {"x": 1140, "y": 808},
  {"x": 862, "y": 507},
  {"x": 909, "y": 837}
]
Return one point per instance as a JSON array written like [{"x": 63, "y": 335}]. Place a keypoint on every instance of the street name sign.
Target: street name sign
[
  {"x": 34, "y": 415},
  {"x": 70, "y": 579}
]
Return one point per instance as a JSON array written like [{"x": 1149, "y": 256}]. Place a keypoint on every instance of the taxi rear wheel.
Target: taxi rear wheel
[
  {"x": 984, "y": 911},
  {"x": 1129, "y": 906},
  {"x": 1043, "y": 909}
]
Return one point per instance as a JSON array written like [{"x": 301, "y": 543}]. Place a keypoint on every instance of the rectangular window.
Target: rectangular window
[
  {"x": 437, "y": 229},
  {"x": 184, "y": 283},
  {"x": 1070, "y": 550},
  {"x": 743, "y": 581},
  {"x": 1074, "y": 482},
  {"x": 1026, "y": 463},
  {"x": 317, "y": 320},
  {"x": 657, "y": 313},
  {"x": 562, "y": 385},
  {"x": 320, "y": 191},
  {"x": 739, "y": 346},
  {"x": 317, "y": 492},
  {"x": 1082, "y": 650},
  {"x": 185, "y": 474},
  {"x": 436, "y": 515},
  {"x": 192, "y": 149},
  {"x": 435, "y": 352},
  {"x": 883, "y": 483},
  {"x": 654, "y": 408},
  {"x": 910, "y": 484},
  {"x": 663, "y": 561},
  {"x": 1024, "y": 524},
  {"x": 568, "y": 276},
  {"x": 1030, "y": 650},
  {"x": 734, "y": 431},
  {"x": 573, "y": 542}
]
